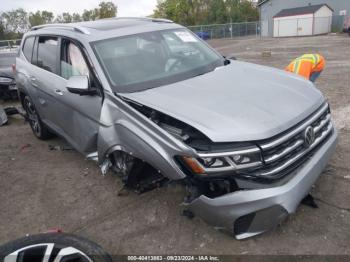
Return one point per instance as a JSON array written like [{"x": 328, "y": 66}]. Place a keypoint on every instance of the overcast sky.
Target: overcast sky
[{"x": 125, "y": 7}]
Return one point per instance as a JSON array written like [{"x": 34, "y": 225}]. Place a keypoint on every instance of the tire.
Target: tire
[
  {"x": 38, "y": 127},
  {"x": 69, "y": 247}
]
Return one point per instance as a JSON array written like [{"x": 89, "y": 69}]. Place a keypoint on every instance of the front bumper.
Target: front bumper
[{"x": 251, "y": 212}]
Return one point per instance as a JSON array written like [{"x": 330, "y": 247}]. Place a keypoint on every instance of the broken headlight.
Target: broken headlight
[{"x": 208, "y": 163}]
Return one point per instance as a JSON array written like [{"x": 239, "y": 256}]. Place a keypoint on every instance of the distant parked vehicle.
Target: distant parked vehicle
[
  {"x": 8, "y": 89},
  {"x": 346, "y": 28},
  {"x": 203, "y": 35}
]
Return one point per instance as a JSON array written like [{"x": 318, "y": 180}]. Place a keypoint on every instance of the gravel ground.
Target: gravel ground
[{"x": 42, "y": 189}]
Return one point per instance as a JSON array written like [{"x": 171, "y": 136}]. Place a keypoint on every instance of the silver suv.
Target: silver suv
[{"x": 152, "y": 102}]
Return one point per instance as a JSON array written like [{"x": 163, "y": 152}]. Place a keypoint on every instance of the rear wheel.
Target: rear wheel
[
  {"x": 56, "y": 247},
  {"x": 38, "y": 127}
]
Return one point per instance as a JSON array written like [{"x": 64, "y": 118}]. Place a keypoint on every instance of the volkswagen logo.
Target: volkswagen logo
[{"x": 309, "y": 136}]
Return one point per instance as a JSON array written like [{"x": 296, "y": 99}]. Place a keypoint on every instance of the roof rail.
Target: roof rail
[
  {"x": 162, "y": 20},
  {"x": 65, "y": 26},
  {"x": 151, "y": 19}
]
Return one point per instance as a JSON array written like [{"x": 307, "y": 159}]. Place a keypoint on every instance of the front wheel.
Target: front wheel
[
  {"x": 56, "y": 247},
  {"x": 38, "y": 127}
]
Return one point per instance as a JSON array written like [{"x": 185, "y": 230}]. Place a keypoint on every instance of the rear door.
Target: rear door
[
  {"x": 24, "y": 67},
  {"x": 45, "y": 79}
]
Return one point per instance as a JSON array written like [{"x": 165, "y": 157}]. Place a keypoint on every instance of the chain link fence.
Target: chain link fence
[
  {"x": 9, "y": 45},
  {"x": 229, "y": 30},
  {"x": 299, "y": 27}
]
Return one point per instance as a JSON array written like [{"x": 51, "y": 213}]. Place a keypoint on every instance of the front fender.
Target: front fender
[{"x": 128, "y": 130}]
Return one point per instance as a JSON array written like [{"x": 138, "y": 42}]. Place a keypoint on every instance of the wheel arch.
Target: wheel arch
[
  {"x": 134, "y": 142},
  {"x": 22, "y": 94}
]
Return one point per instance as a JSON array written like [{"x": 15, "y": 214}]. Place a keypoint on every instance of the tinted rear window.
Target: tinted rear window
[
  {"x": 28, "y": 48},
  {"x": 48, "y": 53}
]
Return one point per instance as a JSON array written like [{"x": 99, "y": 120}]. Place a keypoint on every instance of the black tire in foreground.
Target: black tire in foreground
[
  {"x": 38, "y": 127},
  {"x": 53, "y": 247}
]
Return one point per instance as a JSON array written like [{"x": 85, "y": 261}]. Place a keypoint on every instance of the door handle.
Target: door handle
[
  {"x": 33, "y": 81},
  {"x": 58, "y": 92}
]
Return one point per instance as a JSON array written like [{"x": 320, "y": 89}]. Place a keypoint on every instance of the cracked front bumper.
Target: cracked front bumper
[{"x": 251, "y": 212}]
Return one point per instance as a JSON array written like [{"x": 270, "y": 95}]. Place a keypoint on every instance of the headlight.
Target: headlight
[
  {"x": 5, "y": 80},
  {"x": 208, "y": 163}
]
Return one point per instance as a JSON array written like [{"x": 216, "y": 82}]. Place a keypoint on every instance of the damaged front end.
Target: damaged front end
[
  {"x": 250, "y": 190},
  {"x": 246, "y": 188},
  {"x": 249, "y": 187},
  {"x": 213, "y": 173}
]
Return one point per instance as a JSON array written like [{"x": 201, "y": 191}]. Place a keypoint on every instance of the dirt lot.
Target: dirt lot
[{"x": 42, "y": 189}]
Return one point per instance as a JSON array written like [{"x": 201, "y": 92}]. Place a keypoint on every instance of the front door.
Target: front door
[{"x": 77, "y": 115}]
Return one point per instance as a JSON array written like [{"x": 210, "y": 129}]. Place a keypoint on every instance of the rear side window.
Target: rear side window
[
  {"x": 48, "y": 53},
  {"x": 28, "y": 48}
]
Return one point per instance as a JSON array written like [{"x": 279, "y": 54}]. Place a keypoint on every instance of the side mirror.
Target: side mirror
[
  {"x": 79, "y": 85},
  {"x": 227, "y": 60}
]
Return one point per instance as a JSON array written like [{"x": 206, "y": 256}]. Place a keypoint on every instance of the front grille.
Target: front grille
[{"x": 282, "y": 153}]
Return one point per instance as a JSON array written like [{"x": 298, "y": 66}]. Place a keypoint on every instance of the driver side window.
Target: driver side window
[{"x": 72, "y": 61}]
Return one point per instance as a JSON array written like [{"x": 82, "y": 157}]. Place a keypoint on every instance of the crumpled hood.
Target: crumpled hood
[{"x": 238, "y": 102}]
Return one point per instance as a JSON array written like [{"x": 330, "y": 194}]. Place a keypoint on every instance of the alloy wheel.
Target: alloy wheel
[
  {"x": 32, "y": 116},
  {"x": 47, "y": 252}
]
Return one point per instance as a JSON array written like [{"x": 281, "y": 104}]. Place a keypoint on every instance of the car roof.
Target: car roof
[{"x": 106, "y": 28}]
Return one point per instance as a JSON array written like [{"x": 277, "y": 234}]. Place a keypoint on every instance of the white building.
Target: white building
[{"x": 303, "y": 21}]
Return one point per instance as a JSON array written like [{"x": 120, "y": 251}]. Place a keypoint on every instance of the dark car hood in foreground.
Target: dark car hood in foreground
[{"x": 238, "y": 102}]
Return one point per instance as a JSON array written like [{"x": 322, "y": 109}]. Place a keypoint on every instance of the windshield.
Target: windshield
[{"x": 142, "y": 61}]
